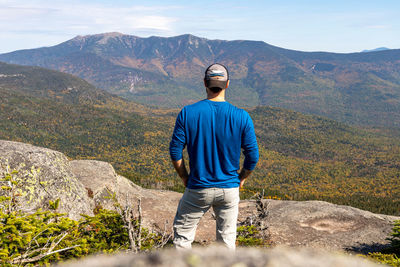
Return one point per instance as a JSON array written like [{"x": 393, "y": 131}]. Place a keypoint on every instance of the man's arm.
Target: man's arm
[
  {"x": 250, "y": 150},
  {"x": 180, "y": 168},
  {"x": 176, "y": 146},
  {"x": 243, "y": 176}
]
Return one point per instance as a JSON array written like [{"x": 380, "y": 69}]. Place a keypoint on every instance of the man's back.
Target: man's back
[{"x": 214, "y": 133}]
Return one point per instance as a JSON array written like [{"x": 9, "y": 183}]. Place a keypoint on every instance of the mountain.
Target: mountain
[
  {"x": 61, "y": 111},
  {"x": 359, "y": 88},
  {"x": 376, "y": 49},
  {"x": 60, "y": 87},
  {"x": 54, "y": 85}
]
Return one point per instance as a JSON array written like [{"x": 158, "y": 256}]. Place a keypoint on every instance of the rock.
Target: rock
[
  {"x": 101, "y": 182},
  {"x": 158, "y": 206},
  {"x": 316, "y": 224},
  {"x": 44, "y": 175},
  {"x": 220, "y": 257},
  {"x": 324, "y": 225}
]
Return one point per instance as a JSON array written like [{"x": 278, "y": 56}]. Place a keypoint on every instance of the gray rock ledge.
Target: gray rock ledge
[{"x": 220, "y": 257}]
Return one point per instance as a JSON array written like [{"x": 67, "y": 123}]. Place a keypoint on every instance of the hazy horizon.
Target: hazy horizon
[{"x": 304, "y": 25}]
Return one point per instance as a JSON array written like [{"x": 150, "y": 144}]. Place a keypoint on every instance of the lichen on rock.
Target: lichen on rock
[{"x": 43, "y": 175}]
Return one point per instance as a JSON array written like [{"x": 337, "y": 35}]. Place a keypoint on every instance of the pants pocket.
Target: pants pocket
[{"x": 231, "y": 195}]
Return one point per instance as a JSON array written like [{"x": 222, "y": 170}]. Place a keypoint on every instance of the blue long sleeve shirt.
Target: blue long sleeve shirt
[{"x": 214, "y": 133}]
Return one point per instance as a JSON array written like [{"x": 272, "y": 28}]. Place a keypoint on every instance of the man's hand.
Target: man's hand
[
  {"x": 242, "y": 183},
  {"x": 243, "y": 176},
  {"x": 184, "y": 180},
  {"x": 180, "y": 168}
]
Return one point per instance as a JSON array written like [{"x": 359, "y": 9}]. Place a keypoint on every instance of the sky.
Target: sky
[{"x": 341, "y": 26}]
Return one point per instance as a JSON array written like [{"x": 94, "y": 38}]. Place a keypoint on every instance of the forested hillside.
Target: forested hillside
[{"x": 301, "y": 156}]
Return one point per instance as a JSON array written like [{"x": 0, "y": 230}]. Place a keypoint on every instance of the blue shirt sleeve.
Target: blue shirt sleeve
[
  {"x": 249, "y": 145},
  {"x": 178, "y": 140}
]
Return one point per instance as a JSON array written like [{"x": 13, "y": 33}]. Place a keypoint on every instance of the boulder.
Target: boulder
[
  {"x": 221, "y": 257},
  {"x": 43, "y": 175}
]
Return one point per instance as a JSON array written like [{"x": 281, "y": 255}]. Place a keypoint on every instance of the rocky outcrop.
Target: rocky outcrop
[
  {"x": 84, "y": 184},
  {"x": 220, "y": 257},
  {"x": 315, "y": 224},
  {"x": 321, "y": 224},
  {"x": 43, "y": 175},
  {"x": 158, "y": 206}
]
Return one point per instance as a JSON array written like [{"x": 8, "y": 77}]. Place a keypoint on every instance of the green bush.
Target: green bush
[
  {"x": 248, "y": 236},
  {"x": 389, "y": 259},
  {"x": 39, "y": 238},
  {"x": 43, "y": 237},
  {"x": 390, "y": 255},
  {"x": 395, "y": 239}
]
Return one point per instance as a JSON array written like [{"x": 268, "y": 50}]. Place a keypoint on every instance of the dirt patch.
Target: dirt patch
[{"x": 330, "y": 225}]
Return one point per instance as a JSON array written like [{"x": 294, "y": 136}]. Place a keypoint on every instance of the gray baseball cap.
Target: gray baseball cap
[{"x": 216, "y": 75}]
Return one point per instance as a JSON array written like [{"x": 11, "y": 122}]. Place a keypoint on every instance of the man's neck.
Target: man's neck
[{"x": 218, "y": 97}]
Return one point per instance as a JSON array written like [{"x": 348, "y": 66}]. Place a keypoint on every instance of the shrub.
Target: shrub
[
  {"x": 252, "y": 231},
  {"x": 248, "y": 236},
  {"x": 43, "y": 237},
  {"x": 389, "y": 259},
  {"x": 395, "y": 239},
  {"x": 390, "y": 255}
]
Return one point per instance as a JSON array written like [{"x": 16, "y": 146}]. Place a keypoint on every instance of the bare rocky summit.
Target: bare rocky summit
[
  {"x": 220, "y": 257},
  {"x": 83, "y": 185},
  {"x": 320, "y": 224}
]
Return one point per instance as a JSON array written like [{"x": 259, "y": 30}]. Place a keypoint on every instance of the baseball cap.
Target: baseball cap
[{"x": 216, "y": 76}]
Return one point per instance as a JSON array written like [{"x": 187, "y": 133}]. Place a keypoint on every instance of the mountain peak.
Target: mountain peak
[
  {"x": 101, "y": 35},
  {"x": 101, "y": 38},
  {"x": 375, "y": 50},
  {"x": 187, "y": 36}
]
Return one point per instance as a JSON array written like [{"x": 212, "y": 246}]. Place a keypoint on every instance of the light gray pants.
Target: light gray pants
[{"x": 192, "y": 206}]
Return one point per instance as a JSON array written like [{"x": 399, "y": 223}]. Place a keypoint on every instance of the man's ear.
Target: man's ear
[
  {"x": 205, "y": 83},
  {"x": 227, "y": 83}
]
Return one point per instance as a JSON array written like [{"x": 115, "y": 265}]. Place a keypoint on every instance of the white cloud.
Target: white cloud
[
  {"x": 151, "y": 22},
  {"x": 88, "y": 18},
  {"x": 13, "y": 14}
]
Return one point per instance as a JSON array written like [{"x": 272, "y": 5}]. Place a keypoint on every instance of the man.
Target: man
[{"x": 214, "y": 132}]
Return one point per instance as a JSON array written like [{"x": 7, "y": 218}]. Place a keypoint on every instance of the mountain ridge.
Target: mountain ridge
[
  {"x": 357, "y": 88},
  {"x": 375, "y": 49}
]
